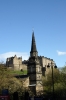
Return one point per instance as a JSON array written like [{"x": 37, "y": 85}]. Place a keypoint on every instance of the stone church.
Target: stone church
[{"x": 37, "y": 66}]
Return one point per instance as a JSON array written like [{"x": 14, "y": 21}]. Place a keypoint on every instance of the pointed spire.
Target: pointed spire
[{"x": 33, "y": 46}]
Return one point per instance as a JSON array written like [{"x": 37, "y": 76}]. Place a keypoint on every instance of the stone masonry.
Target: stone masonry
[{"x": 15, "y": 63}]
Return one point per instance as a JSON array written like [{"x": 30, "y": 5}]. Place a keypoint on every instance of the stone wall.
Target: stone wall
[
  {"x": 44, "y": 61},
  {"x": 14, "y": 63},
  {"x": 24, "y": 67},
  {"x": 14, "y": 60},
  {"x": 25, "y": 81}
]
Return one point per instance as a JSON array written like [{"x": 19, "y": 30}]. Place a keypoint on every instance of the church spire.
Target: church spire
[{"x": 33, "y": 46}]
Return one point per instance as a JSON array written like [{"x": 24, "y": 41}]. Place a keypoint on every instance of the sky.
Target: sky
[{"x": 47, "y": 18}]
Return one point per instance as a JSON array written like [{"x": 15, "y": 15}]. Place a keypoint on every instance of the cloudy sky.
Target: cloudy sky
[{"x": 18, "y": 18}]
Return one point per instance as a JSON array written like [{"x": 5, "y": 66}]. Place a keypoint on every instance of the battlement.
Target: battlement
[{"x": 45, "y": 57}]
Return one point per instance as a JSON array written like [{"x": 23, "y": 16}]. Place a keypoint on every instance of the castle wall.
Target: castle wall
[
  {"x": 44, "y": 61},
  {"x": 24, "y": 67},
  {"x": 15, "y": 63}
]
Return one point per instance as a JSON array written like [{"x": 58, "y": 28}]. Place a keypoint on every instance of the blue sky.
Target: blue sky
[{"x": 48, "y": 20}]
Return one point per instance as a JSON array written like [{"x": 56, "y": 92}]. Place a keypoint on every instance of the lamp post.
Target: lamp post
[{"x": 52, "y": 65}]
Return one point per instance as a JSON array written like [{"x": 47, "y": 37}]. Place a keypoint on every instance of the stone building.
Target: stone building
[
  {"x": 37, "y": 66},
  {"x": 34, "y": 69},
  {"x": 15, "y": 63},
  {"x": 44, "y": 61}
]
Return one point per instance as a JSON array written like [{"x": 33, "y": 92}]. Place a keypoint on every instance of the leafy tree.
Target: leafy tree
[
  {"x": 59, "y": 83},
  {"x": 63, "y": 69},
  {"x": 8, "y": 81}
]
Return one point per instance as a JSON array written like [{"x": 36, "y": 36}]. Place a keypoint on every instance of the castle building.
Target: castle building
[
  {"x": 15, "y": 63},
  {"x": 36, "y": 66}
]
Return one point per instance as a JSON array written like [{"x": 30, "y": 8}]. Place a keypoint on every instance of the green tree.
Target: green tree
[
  {"x": 63, "y": 69},
  {"x": 59, "y": 83},
  {"x": 8, "y": 81}
]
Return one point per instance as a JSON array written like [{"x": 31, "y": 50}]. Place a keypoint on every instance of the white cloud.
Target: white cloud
[
  {"x": 24, "y": 55},
  {"x": 61, "y": 53}
]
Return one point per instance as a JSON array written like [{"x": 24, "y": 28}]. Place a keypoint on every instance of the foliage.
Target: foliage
[
  {"x": 63, "y": 69},
  {"x": 8, "y": 81},
  {"x": 59, "y": 83}
]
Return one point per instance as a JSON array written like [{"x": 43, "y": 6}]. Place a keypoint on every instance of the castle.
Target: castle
[
  {"x": 15, "y": 63},
  {"x": 36, "y": 66}
]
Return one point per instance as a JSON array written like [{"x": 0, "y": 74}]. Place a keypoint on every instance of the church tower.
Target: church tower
[{"x": 34, "y": 68}]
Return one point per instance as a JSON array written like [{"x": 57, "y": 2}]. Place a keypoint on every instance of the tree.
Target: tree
[
  {"x": 63, "y": 69},
  {"x": 59, "y": 83},
  {"x": 8, "y": 81}
]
